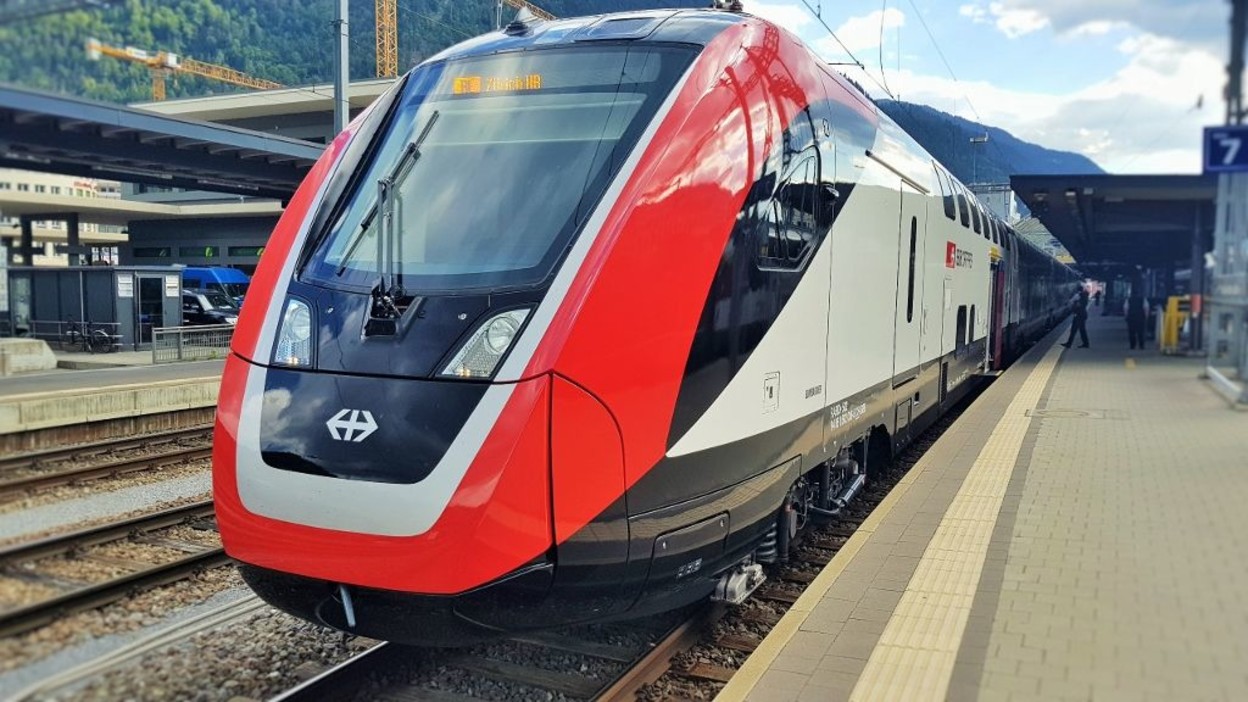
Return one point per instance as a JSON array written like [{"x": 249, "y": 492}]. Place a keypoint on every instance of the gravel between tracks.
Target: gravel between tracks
[
  {"x": 144, "y": 609},
  {"x": 87, "y": 523},
  {"x": 256, "y": 657},
  {"x": 60, "y": 508},
  {"x": 102, "y": 486}
]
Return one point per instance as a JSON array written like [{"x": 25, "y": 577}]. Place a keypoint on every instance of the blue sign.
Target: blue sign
[{"x": 1226, "y": 149}]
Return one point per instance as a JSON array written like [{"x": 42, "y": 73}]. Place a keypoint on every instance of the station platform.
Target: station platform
[
  {"x": 71, "y": 398},
  {"x": 1078, "y": 534}
]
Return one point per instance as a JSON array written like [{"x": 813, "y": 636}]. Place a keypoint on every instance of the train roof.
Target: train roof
[{"x": 682, "y": 26}]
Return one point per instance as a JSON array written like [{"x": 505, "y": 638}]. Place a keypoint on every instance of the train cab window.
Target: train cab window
[
  {"x": 788, "y": 233},
  {"x": 946, "y": 195},
  {"x": 914, "y": 238},
  {"x": 493, "y": 165}
]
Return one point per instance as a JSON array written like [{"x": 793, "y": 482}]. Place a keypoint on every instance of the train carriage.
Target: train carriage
[{"x": 582, "y": 318}]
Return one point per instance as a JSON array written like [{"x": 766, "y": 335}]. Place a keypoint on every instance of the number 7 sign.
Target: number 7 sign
[{"x": 1224, "y": 149}]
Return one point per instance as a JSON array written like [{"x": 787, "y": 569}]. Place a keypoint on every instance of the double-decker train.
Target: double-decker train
[{"x": 584, "y": 318}]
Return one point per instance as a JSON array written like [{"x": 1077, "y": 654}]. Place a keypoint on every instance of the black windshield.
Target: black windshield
[{"x": 519, "y": 149}]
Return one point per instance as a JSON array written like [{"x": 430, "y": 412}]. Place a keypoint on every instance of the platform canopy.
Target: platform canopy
[
  {"x": 58, "y": 134},
  {"x": 1123, "y": 220}
]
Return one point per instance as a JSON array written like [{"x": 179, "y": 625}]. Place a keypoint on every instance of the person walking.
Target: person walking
[
  {"x": 1080, "y": 324},
  {"x": 1137, "y": 319}
]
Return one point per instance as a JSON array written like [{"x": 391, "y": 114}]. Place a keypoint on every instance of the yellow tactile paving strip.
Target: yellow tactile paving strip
[
  {"x": 754, "y": 679},
  {"x": 915, "y": 656}
]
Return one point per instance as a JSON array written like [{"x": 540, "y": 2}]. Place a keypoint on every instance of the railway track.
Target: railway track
[
  {"x": 691, "y": 659},
  {"x": 379, "y": 672},
  {"x": 178, "y": 452},
  {"x": 22, "y": 563}
]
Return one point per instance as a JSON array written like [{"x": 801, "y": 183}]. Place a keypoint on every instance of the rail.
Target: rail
[{"x": 173, "y": 344}]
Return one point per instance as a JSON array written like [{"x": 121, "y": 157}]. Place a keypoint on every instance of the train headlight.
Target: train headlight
[
  {"x": 481, "y": 353},
  {"x": 294, "y": 338}
]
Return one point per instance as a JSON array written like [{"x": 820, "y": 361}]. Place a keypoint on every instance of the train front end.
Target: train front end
[{"x": 383, "y": 440}]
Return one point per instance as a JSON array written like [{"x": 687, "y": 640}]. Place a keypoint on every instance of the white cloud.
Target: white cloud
[
  {"x": 1016, "y": 23},
  {"x": 1141, "y": 119},
  {"x": 1013, "y": 22},
  {"x": 792, "y": 17},
  {"x": 861, "y": 33},
  {"x": 1198, "y": 21}
]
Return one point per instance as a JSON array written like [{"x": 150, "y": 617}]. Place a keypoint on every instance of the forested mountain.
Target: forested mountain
[
  {"x": 948, "y": 138},
  {"x": 288, "y": 41}
]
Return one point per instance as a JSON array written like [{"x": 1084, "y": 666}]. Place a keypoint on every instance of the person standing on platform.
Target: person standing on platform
[
  {"x": 1137, "y": 319},
  {"x": 1080, "y": 324}
]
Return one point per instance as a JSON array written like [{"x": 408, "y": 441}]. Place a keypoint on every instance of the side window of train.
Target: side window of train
[
  {"x": 975, "y": 217},
  {"x": 946, "y": 195},
  {"x": 970, "y": 326},
  {"x": 914, "y": 239},
  {"x": 964, "y": 210},
  {"x": 787, "y": 236},
  {"x": 960, "y": 332}
]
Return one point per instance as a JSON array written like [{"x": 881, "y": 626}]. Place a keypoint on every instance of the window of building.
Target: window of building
[
  {"x": 41, "y": 188},
  {"x": 246, "y": 251},
  {"x": 6, "y": 186},
  {"x": 23, "y": 187},
  {"x": 153, "y": 251},
  {"x": 200, "y": 251},
  {"x": 56, "y": 190},
  {"x": 787, "y": 234}
]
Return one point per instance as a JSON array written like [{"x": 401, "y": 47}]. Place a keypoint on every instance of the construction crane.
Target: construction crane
[
  {"x": 387, "y": 38},
  {"x": 163, "y": 63},
  {"x": 524, "y": 5}
]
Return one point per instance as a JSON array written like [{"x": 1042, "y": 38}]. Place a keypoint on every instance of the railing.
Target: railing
[
  {"x": 171, "y": 344},
  {"x": 72, "y": 335}
]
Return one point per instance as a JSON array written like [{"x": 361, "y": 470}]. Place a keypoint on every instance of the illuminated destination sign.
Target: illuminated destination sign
[{"x": 472, "y": 85}]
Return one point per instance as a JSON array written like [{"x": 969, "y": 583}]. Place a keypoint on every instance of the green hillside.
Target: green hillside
[{"x": 288, "y": 41}]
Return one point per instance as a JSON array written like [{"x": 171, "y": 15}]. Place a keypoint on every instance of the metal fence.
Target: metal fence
[
  {"x": 171, "y": 344},
  {"x": 76, "y": 336}
]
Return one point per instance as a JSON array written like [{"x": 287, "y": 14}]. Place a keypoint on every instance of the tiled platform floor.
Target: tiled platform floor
[{"x": 1081, "y": 533}]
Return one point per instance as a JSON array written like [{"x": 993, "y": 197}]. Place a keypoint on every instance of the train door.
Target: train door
[
  {"x": 996, "y": 339},
  {"x": 907, "y": 319}
]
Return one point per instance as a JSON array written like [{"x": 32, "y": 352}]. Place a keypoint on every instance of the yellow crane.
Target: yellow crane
[
  {"x": 388, "y": 31},
  {"x": 525, "y": 5},
  {"x": 387, "y": 38},
  {"x": 163, "y": 63}
]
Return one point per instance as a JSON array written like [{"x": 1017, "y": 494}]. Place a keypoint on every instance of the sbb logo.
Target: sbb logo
[{"x": 958, "y": 258}]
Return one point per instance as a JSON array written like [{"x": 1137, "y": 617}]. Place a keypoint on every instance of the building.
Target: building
[{"x": 35, "y": 186}]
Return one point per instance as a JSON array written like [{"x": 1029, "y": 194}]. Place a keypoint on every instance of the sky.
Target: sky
[{"x": 1127, "y": 83}]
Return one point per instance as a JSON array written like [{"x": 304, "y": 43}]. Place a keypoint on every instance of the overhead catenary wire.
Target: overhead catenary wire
[
  {"x": 883, "y": 75},
  {"x": 849, "y": 53}
]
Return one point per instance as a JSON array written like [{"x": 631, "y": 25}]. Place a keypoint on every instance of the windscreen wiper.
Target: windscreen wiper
[{"x": 389, "y": 299}]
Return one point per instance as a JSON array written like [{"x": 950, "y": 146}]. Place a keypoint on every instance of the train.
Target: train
[{"x": 585, "y": 319}]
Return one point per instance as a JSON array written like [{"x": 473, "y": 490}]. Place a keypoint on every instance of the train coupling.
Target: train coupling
[{"x": 737, "y": 584}]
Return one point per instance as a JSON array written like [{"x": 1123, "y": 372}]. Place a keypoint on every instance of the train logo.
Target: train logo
[
  {"x": 958, "y": 258},
  {"x": 344, "y": 429}
]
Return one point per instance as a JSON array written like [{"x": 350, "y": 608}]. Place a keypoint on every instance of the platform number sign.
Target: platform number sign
[{"x": 1226, "y": 149}]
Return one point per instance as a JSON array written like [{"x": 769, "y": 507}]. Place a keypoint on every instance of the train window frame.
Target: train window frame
[
  {"x": 774, "y": 228},
  {"x": 964, "y": 212},
  {"x": 946, "y": 195},
  {"x": 976, "y": 218},
  {"x": 914, "y": 241},
  {"x": 960, "y": 329}
]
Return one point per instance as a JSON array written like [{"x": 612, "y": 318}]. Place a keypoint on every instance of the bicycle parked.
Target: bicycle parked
[{"x": 87, "y": 338}]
